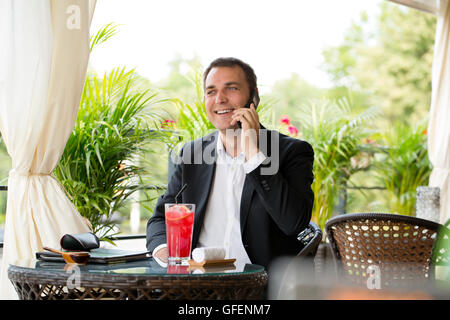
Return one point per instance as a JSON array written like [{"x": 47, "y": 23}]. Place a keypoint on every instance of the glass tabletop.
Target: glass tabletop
[{"x": 147, "y": 267}]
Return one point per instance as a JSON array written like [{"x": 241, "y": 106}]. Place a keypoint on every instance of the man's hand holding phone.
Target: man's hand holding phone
[{"x": 250, "y": 129}]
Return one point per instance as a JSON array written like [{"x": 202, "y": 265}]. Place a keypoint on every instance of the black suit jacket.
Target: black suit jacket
[{"x": 274, "y": 208}]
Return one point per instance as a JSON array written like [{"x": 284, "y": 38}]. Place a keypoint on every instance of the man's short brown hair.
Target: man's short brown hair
[{"x": 233, "y": 62}]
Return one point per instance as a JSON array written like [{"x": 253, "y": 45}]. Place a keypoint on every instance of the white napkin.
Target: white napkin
[{"x": 208, "y": 253}]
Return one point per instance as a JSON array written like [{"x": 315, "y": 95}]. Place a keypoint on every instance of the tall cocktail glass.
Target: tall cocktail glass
[{"x": 179, "y": 227}]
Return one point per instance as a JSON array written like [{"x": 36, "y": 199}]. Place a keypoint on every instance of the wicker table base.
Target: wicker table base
[{"x": 32, "y": 284}]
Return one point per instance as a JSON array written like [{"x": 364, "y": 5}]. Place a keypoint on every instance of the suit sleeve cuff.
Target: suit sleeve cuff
[{"x": 254, "y": 162}]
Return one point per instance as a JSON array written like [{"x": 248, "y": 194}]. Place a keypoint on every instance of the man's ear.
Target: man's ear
[{"x": 256, "y": 97}]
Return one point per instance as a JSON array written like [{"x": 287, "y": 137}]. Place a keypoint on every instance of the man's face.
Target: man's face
[{"x": 226, "y": 89}]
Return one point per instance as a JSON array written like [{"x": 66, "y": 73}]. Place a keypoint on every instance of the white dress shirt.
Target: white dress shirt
[{"x": 221, "y": 225}]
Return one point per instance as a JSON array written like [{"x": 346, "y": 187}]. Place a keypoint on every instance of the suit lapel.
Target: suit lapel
[
  {"x": 246, "y": 198},
  {"x": 249, "y": 189}
]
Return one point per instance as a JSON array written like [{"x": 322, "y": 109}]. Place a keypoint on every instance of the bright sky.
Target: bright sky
[{"x": 276, "y": 37}]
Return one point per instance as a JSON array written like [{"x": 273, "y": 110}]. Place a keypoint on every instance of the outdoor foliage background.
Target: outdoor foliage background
[{"x": 387, "y": 68}]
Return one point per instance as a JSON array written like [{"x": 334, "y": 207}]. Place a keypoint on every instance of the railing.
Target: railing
[
  {"x": 341, "y": 207},
  {"x": 113, "y": 238}
]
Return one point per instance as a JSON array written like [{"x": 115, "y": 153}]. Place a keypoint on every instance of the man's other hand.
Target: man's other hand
[{"x": 161, "y": 256}]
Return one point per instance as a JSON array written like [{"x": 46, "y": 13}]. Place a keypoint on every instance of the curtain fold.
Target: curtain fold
[
  {"x": 43, "y": 67},
  {"x": 439, "y": 125}
]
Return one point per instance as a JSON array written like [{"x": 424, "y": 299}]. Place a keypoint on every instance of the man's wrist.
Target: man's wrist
[
  {"x": 250, "y": 142},
  {"x": 254, "y": 162},
  {"x": 161, "y": 246}
]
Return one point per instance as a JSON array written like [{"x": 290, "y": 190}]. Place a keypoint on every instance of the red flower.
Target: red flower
[
  {"x": 293, "y": 130},
  {"x": 168, "y": 123},
  {"x": 425, "y": 132},
  {"x": 285, "y": 120}
]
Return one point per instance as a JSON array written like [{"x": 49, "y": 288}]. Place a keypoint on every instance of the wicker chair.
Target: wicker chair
[{"x": 400, "y": 248}]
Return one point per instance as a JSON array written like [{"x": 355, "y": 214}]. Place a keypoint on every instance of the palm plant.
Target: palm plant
[
  {"x": 404, "y": 166},
  {"x": 99, "y": 167},
  {"x": 105, "y": 33},
  {"x": 336, "y": 136}
]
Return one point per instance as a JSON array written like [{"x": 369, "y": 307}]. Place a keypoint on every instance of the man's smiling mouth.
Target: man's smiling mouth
[{"x": 224, "y": 111}]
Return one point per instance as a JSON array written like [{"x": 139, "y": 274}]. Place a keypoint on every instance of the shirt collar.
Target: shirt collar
[
  {"x": 223, "y": 153},
  {"x": 220, "y": 147}
]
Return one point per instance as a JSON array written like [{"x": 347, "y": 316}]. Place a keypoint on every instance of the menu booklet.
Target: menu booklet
[{"x": 100, "y": 256}]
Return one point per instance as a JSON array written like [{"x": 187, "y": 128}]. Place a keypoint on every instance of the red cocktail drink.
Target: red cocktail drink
[{"x": 179, "y": 225}]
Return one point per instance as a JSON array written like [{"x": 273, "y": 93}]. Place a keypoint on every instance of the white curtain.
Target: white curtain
[
  {"x": 439, "y": 125},
  {"x": 430, "y": 6},
  {"x": 43, "y": 61}
]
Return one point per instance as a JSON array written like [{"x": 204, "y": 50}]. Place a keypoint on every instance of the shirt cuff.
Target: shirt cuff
[
  {"x": 254, "y": 162},
  {"x": 164, "y": 245}
]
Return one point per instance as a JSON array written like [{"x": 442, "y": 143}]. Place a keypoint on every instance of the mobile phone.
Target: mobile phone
[{"x": 247, "y": 105}]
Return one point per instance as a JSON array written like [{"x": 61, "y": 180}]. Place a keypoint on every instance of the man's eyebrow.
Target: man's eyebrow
[{"x": 232, "y": 83}]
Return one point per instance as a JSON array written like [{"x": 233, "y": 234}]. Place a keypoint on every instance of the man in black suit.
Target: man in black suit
[{"x": 251, "y": 186}]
